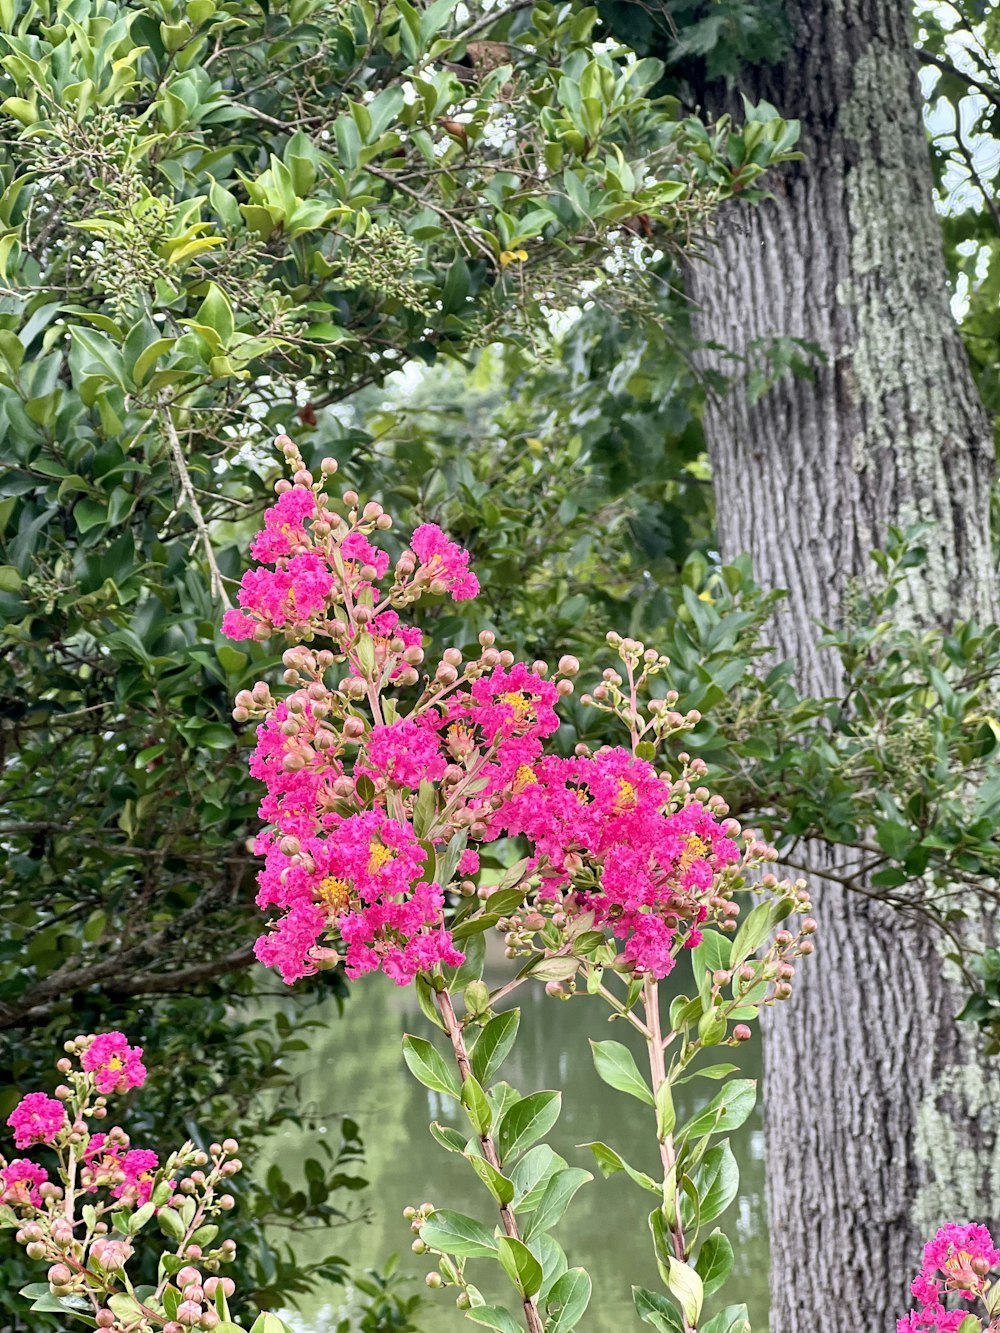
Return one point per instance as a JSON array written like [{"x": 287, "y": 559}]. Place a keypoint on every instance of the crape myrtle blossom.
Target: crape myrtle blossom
[
  {"x": 115, "y": 1064},
  {"x": 955, "y": 1264},
  {"x": 78, "y": 1217},
  {"x": 36, "y": 1119},
  {"x": 19, "y": 1183},
  {"x": 382, "y": 780}
]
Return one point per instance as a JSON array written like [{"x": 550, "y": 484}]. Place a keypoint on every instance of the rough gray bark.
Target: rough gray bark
[{"x": 880, "y": 1117}]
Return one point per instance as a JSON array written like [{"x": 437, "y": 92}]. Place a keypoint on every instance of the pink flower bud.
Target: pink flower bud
[
  {"x": 105, "y": 1319},
  {"x": 189, "y": 1314},
  {"x": 372, "y": 510},
  {"x": 741, "y": 1032},
  {"x": 186, "y": 1277},
  {"x": 568, "y": 665},
  {"x": 59, "y": 1275}
]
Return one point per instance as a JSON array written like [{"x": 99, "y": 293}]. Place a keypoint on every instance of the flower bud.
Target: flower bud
[
  {"x": 189, "y": 1314},
  {"x": 809, "y": 926},
  {"x": 418, "y": 1246},
  {"x": 434, "y": 1280},
  {"x": 741, "y": 1032},
  {"x": 209, "y": 1320},
  {"x": 568, "y": 665},
  {"x": 59, "y": 1275},
  {"x": 35, "y": 1249}
]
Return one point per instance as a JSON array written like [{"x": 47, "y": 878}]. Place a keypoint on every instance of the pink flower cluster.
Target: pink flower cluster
[
  {"x": 442, "y": 562},
  {"x": 956, "y": 1261},
  {"x": 115, "y": 1064},
  {"x": 36, "y": 1119},
  {"x": 361, "y": 881},
  {"x": 653, "y": 869},
  {"x": 19, "y": 1183},
  {"x": 109, "y": 1162}
]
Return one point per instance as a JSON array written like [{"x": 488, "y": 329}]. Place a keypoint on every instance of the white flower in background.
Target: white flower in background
[
  {"x": 410, "y": 94},
  {"x": 499, "y": 129}
]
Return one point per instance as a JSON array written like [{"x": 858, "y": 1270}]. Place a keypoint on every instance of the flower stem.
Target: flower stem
[
  {"x": 658, "y": 1074},
  {"x": 454, "y": 1030}
]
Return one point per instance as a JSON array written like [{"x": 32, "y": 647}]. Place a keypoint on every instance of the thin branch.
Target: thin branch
[
  {"x": 460, "y": 228},
  {"x": 992, "y": 94},
  {"x": 188, "y": 492}
]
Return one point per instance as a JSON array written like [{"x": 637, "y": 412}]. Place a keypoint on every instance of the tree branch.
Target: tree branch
[{"x": 188, "y": 493}]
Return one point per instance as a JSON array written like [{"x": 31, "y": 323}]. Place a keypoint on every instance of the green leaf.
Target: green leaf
[
  {"x": 716, "y": 1180},
  {"x": 727, "y": 1110},
  {"x": 424, "y": 809},
  {"x": 715, "y": 1261},
  {"x": 609, "y": 1162},
  {"x": 476, "y": 1106},
  {"x": 495, "y": 1317},
  {"x": 526, "y": 1121},
  {"x": 520, "y": 1265},
  {"x": 567, "y": 1301},
  {"x": 454, "y": 1233},
  {"x": 495, "y": 1181},
  {"x": 532, "y": 1174},
  {"x": 555, "y": 1200},
  {"x": 666, "y": 1115},
  {"x": 751, "y": 934},
  {"x": 652, "y": 1308},
  {"x": 429, "y": 1066},
  {"x": 217, "y": 313},
  {"x": 448, "y": 1138},
  {"x": 493, "y": 1045},
  {"x": 685, "y": 1284},
  {"x": 170, "y": 1223},
  {"x": 733, "y": 1319},
  {"x": 616, "y": 1066},
  {"x": 265, "y": 1323},
  {"x": 970, "y": 1324}
]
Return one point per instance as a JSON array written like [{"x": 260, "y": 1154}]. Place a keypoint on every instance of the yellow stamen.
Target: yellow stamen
[
  {"x": 378, "y": 858},
  {"x": 627, "y": 798},
  {"x": 334, "y": 894},
  {"x": 694, "y": 851},
  {"x": 524, "y": 777},
  {"x": 521, "y": 704}
]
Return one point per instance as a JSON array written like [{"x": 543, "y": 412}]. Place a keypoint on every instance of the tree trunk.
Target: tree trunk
[{"x": 881, "y": 1118}]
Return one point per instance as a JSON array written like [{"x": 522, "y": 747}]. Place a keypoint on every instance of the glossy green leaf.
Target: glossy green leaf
[
  {"x": 609, "y": 1162},
  {"x": 520, "y": 1265},
  {"x": 727, "y": 1110},
  {"x": 493, "y": 1045},
  {"x": 429, "y": 1066},
  {"x": 567, "y": 1300},
  {"x": 526, "y": 1121},
  {"x": 715, "y": 1261},
  {"x": 454, "y": 1233},
  {"x": 476, "y": 1106},
  {"x": 616, "y": 1065},
  {"x": 654, "y": 1309},
  {"x": 555, "y": 1200}
]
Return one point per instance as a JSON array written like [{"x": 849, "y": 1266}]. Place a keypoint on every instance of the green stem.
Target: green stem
[
  {"x": 668, "y": 1155},
  {"x": 454, "y": 1030}
]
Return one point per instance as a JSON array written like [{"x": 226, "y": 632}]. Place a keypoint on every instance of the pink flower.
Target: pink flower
[
  {"x": 19, "y": 1182},
  {"x": 284, "y": 532},
  {"x": 357, "y": 550},
  {"x": 291, "y": 595},
  {"x": 955, "y": 1254},
  {"x": 443, "y": 562},
  {"x": 117, "y": 1065},
  {"x": 36, "y": 1119},
  {"x": 403, "y": 754},
  {"x": 468, "y": 862},
  {"x": 139, "y": 1170}
]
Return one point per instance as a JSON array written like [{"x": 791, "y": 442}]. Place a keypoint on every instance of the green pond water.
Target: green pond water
[{"x": 358, "y": 1070}]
